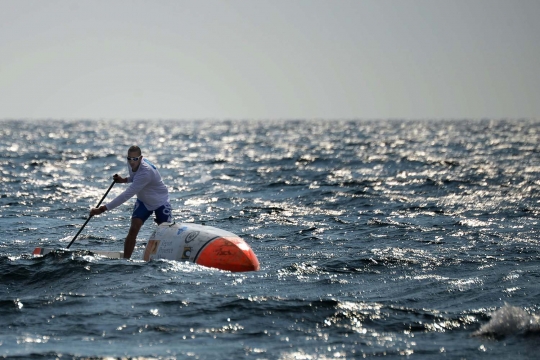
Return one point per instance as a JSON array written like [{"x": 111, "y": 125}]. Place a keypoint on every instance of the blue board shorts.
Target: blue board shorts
[{"x": 163, "y": 213}]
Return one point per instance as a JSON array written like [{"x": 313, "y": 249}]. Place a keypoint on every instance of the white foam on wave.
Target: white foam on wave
[{"x": 509, "y": 320}]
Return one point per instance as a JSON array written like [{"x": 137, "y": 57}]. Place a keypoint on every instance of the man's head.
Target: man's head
[{"x": 134, "y": 157}]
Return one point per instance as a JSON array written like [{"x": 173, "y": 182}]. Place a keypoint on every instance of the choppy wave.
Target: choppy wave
[{"x": 509, "y": 320}]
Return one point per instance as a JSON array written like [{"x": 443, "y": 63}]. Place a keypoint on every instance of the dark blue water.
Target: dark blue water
[{"x": 375, "y": 238}]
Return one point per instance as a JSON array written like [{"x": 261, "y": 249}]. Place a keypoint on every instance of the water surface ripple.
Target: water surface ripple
[{"x": 375, "y": 238}]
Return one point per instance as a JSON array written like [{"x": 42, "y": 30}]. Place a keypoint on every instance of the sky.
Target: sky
[{"x": 277, "y": 59}]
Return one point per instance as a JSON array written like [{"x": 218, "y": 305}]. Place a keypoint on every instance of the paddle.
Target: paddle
[{"x": 89, "y": 217}]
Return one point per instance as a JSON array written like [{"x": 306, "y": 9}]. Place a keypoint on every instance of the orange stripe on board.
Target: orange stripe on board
[{"x": 37, "y": 251}]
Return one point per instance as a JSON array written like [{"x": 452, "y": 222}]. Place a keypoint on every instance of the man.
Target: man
[{"x": 152, "y": 196}]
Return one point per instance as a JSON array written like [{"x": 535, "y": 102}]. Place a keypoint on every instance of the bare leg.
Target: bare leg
[{"x": 131, "y": 238}]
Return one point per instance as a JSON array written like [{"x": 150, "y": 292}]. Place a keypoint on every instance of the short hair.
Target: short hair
[{"x": 136, "y": 149}]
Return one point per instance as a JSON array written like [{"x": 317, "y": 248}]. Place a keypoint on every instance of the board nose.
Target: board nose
[{"x": 232, "y": 254}]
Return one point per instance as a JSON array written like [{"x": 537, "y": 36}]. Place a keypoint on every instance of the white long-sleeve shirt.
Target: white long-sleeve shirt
[{"x": 146, "y": 183}]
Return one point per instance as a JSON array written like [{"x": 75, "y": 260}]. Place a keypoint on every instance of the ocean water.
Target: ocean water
[{"x": 394, "y": 239}]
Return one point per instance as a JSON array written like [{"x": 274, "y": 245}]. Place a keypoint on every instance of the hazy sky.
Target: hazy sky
[{"x": 250, "y": 59}]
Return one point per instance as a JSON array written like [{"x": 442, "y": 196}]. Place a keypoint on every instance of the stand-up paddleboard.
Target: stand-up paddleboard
[{"x": 203, "y": 245}]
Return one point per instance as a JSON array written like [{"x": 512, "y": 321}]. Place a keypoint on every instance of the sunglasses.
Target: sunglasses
[{"x": 133, "y": 158}]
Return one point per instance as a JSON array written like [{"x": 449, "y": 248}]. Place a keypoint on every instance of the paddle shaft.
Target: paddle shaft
[{"x": 89, "y": 217}]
